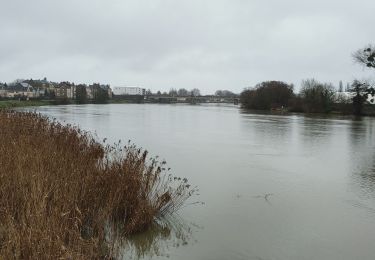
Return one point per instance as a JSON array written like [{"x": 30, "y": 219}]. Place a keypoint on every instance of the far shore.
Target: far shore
[
  {"x": 369, "y": 110},
  {"x": 4, "y": 104}
]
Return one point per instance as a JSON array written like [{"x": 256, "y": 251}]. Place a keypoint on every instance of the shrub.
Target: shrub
[{"x": 295, "y": 104}]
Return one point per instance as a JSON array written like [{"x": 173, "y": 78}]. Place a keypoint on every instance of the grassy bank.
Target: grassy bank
[
  {"x": 23, "y": 103},
  {"x": 61, "y": 191}
]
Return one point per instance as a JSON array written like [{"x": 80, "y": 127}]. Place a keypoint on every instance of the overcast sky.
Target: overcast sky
[{"x": 205, "y": 44}]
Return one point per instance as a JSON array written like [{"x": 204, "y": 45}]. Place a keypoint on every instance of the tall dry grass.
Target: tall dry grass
[{"x": 61, "y": 190}]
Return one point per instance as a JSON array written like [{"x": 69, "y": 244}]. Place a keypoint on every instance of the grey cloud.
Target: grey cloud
[{"x": 159, "y": 44}]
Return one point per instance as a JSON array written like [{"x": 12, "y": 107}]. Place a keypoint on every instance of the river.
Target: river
[{"x": 274, "y": 186}]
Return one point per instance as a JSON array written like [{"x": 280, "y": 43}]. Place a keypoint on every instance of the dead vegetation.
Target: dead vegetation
[{"x": 61, "y": 190}]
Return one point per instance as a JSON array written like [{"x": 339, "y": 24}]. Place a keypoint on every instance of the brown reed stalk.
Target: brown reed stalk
[{"x": 60, "y": 189}]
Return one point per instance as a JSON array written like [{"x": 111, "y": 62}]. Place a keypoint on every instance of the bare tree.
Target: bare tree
[
  {"x": 195, "y": 92},
  {"x": 363, "y": 90},
  {"x": 317, "y": 97},
  {"x": 183, "y": 92},
  {"x": 219, "y": 93},
  {"x": 366, "y": 56},
  {"x": 224, "y": 93},
  {"x": 173, "y": 92}
]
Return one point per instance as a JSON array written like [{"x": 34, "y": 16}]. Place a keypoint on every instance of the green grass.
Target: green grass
[{"x": 23, "y": 103}]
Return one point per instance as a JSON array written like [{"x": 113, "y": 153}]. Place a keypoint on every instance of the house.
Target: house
[
  {"x": 20, "y": 90},
  {"x": 65, "y": 90}
]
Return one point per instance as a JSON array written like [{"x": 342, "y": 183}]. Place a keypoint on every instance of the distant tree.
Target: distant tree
[
  {"x": 317, "y": 97},
  {"x": 101, "y": 95},
  {"x": 183, "y": 92},
  {"x": 219, "y": 93},
  {"x": 195, "y": 92},
  {"x": 224, "y": 93},
  {"x": 158, "y": 93},
  {"x": 366, "y": 56},
  {"x": 172, "y": 92},
  {"x": 267, "y": 95},
  {"x": 81, "y": 94},
  {"x": 363, "y": 90},
  {"x": 295, "y": 104},
  {"x": 50, "y": 94},
  {"x": 148, "y": 92}
]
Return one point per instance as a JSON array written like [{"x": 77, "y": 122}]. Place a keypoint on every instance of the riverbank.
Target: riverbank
[
  {"x": 339, "y": 109},
  {"x": 62, "y": 193},
  {"x": 24, "y": 103}
]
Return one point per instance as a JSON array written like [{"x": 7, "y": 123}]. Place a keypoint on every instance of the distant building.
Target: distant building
[
  {"x": 65, "y": 90},
  {"x": 21, "y": 90},
  {"x": 121, "y": 91}
]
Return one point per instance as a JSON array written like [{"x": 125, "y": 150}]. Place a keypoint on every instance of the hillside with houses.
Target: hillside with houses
[{"x": 44, "y": 89}]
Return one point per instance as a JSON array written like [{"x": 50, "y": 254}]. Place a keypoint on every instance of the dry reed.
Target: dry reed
[{"x": 60, "y": 189}]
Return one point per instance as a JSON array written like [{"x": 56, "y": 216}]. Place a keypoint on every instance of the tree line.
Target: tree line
[
  {"x": 182, "y": 92},
  {"x": 314, "y": 96}
]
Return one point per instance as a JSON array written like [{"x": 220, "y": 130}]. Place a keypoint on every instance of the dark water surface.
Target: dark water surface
[{"x": 274, "y": 186}]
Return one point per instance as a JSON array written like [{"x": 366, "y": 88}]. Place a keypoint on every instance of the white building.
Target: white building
[{"x": 119, "y": 91}]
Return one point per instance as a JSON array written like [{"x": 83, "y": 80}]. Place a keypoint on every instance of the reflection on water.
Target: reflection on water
[
  {"x": 319, "y": 170},
  {"x": 165, "y": 233},
  {"x": 363, "y": 172},
  {"x": 365, "y": 180}
]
